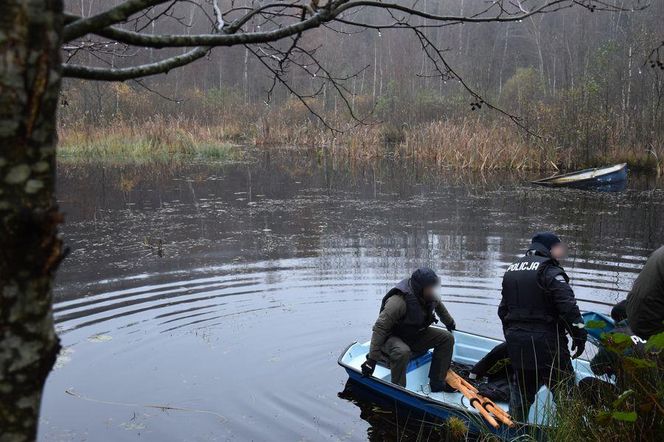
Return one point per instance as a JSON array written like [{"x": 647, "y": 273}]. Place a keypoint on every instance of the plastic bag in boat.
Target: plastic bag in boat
[{"x": 497, "y": 390}]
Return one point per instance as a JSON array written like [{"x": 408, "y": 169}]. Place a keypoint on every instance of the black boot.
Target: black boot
[{"x": 438, "y": 386}]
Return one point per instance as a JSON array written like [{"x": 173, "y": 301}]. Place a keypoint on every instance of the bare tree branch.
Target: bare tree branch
[
  {"x": 110, "y": 17},
  {"x": 144, "y": 70},
  {"x": 226, "y": 39}
]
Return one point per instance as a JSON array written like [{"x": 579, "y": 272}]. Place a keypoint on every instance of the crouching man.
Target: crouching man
[{"x": 403, "y": 328}]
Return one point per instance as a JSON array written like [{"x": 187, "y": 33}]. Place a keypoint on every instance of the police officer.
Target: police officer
[
  {"x": 403, "y": 328},
  {"x": 537, "y": 310}
]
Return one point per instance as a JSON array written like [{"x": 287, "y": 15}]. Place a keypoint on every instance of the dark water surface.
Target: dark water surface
[{"x": 206, "y": 303}]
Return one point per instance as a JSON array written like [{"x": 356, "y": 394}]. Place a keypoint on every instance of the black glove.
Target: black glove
[
  {"x": 450, "y": 327},
  {"x": 368, "y": 367},
  {"x": 579, "y": 342},
  {"x": 578, "y": 345}
]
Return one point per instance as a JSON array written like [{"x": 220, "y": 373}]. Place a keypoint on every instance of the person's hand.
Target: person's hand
[
  {"x": 368, "y": 367},
  {"x": 578, "y": 344},
  {"x": 579, "y": 337},
  {"x": 451, "y": 327}
]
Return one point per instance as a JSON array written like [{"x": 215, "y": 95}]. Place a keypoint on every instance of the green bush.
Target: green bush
[{"x": 632, "y": 410}]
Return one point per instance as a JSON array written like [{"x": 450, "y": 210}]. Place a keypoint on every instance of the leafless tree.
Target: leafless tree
[{"x": 35, "y": 37}]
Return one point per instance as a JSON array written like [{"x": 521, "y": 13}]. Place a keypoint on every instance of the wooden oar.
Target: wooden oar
[
  {"x": 453, "y": 381},
  {"x": 482, "y": 404},
  {"x": 464, "y": 382},
  {"x": 488, "y": 403},
  {"x": 501, "y": 414}
]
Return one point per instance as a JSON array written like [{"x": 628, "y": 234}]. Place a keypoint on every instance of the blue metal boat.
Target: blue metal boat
[
  {"x": 469, "y": 348},
  {"x": 596, "y": 325},
  {"x": 610, "y": 178}
]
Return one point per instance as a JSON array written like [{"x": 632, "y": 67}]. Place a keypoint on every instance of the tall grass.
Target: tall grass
[
  {"x": 471, "y": 145},
  {"x": 468, "y": 144},
  {"x": 631, "y": 410},
  {"x": 154, "y": 140},
  {"x": 430, "y": 129},
  {"x": 443, "y": 144}
]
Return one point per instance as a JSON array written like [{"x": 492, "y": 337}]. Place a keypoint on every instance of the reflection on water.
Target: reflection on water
[
  {"x": 390, "y": 421},
  {"x": 224, "y": 294}
]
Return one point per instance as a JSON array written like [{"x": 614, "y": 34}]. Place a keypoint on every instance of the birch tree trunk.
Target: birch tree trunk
[{"x": 30, "y": 249}]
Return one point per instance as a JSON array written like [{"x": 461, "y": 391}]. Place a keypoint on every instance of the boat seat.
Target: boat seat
[{"x": 416, "y": 360}]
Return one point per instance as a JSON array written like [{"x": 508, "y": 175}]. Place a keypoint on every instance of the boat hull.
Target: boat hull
[
  {"x": 594, "y": 330},
  {"x": 609, "y": 179},
  {"x": 425, "y": 409}
]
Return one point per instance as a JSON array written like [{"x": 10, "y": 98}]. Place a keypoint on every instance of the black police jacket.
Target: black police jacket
[{"x": 537, "y": 308}]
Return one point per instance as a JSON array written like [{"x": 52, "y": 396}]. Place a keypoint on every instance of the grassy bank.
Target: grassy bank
[
  {"x": 469, "y": 144},
  {"x": 156, "y": 140}
]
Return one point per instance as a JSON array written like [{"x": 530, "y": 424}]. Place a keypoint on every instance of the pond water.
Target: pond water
[{"x": 210, "y": 302}]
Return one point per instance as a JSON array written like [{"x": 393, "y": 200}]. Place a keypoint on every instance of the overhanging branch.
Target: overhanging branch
[
  {"x": 122, "y": 74},
  {"x": 118, "y": 14},
  {"x": 226, "y": 39}
]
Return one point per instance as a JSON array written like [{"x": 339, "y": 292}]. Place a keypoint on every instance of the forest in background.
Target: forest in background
[{"x": 586, "y": 87}]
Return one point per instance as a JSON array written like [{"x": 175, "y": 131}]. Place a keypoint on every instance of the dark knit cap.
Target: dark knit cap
[
  {"x": 547, "y": 239},
  {"x": 423, "y": 278},
  {"x": 619, "y": 311}
]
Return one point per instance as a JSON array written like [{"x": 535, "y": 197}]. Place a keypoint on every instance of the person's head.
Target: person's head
[
  {"x": 619, "y": 311},
  {"x": 552, "y": 242},
  {"x": 425, "y": 283}
]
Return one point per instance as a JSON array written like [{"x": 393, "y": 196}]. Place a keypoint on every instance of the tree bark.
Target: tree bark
[{"x": 30, "y": 248}]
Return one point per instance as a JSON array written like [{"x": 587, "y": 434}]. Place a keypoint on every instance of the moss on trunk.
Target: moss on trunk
[{"x": 30, "y": 34}]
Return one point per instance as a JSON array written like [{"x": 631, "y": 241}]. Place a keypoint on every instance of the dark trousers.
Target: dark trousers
[
  {"x": 399, "y": 353},
  {"x": 527, "y": 382}
]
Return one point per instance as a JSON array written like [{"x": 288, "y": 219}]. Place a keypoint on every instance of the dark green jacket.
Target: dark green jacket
[
  {"x": 394, "y": 311},
  {"x": 645, "y": 302}
]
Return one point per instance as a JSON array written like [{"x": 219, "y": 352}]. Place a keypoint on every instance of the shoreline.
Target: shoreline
[{"x": 457, "y": 145}]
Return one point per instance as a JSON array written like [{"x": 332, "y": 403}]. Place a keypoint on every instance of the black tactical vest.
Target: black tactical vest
[
  {"x": 419, "y": 314},
  {"x": 528, "y": 306}
]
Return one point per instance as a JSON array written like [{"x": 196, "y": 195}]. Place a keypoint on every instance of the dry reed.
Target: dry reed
[{"x": 469, "y": 144}]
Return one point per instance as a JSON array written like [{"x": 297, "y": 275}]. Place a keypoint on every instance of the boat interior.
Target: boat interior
[{"x": 468, "y": 350}]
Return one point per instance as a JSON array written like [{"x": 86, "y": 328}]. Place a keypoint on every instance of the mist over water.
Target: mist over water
[{"x": 210, "y": 302}]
